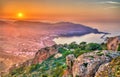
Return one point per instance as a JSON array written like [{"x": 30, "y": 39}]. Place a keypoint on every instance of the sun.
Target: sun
[{"x": 20, "y": 15}]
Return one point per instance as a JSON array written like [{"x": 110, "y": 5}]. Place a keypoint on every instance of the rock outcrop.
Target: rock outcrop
[
  {"x": 44, "y": 53},
  {"x": 39, "y": 57},
  {"x": 111, "y": 69},
  {"x": 87, "y": 65},
  {"x": 69, "y": 62},
  {"x": 58, "y": 55},
  {"x": 113, "y": 43}
]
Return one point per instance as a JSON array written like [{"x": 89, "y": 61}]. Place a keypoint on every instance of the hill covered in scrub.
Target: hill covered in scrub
[{"x": 81, "y": 60}]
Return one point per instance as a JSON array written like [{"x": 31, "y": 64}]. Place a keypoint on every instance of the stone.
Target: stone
[
  {"x": 87, "y": 64},
  {"x": 69, "y": 62},
  {"x": 113, "y": 43},
  {"x": 44, "y": 53},
  {"x": 58, "y": 55}
]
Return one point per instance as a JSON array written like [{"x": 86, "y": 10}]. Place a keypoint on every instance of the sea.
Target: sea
[{"x": 112, "y": 28}]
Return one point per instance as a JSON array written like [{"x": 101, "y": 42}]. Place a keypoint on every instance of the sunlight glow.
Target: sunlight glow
[{"x": 20, "y": 15}]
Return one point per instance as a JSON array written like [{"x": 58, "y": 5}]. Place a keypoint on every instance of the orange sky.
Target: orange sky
[{"x": 76, "y": 10}]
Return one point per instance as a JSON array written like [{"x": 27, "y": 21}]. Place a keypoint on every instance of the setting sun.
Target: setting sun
[{"x": 20, "y": 15}]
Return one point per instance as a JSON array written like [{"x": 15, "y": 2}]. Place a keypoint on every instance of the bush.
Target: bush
[
  {"x": 119, "y": 47},
  {"x": 73, "y": 45},
  {"x": 104, "y": 46},
  {"x": 82, "y": 45},
  {"x": 61, "y": 50},
  {"x": 93, "y": 46}
]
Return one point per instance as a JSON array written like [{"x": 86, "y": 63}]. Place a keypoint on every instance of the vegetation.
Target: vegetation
[
  {"x": 119, "y": 48},
  {"x": 54, "y": 67}
]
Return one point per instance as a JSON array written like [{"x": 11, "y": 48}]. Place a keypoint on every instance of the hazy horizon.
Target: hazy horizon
[{"x": 65, "y": 10}]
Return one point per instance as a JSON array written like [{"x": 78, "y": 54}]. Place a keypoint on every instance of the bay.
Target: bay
[{"x": 112, "y": 28}]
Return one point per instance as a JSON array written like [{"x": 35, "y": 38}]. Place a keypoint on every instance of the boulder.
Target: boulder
[
  {"x": 113, "y": 43},
  {"x": 111, "y": 69},
  {"x": 58, "y": 55},
  {"x": 86, "y": 65},
  {"x": 69, "y": 62}
]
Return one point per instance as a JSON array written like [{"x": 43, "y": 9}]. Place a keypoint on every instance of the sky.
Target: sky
[{"x": 64, "y": 10}]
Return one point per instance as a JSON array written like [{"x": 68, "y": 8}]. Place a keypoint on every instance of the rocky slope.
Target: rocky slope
[
  {"x": 94, "y": 64},
  {"x": 100, "y": 63},
  {"x": 110, "y": 69},
  {"x": 44, "y": 53},
  {"x": 40, "y": 56}
]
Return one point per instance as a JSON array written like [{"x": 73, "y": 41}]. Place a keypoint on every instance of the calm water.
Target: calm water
[{"x": 113, "y": 28}]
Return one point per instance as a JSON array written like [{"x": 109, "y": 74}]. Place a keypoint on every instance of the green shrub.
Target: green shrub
[
  {"x": 119, "y": 47},
  {"x": 82, "y": 45},
  {"x": 104, "y": 46},
  {"x": 73, "y": 45},
  {"x": 93, "y": 46}
]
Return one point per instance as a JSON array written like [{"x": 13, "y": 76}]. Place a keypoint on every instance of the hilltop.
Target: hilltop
[{"x": 77, "y": 60}]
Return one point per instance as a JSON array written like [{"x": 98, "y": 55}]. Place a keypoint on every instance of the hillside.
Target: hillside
[
  {"x": 90, "y": 57},
  {"x": 22, "y": 39}
]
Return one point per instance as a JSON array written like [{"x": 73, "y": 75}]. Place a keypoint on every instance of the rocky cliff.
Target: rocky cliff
[
  {"x": 110, "y": 69},
  {"x": 93, "y": 64},
  {"x": 39, "y": 57},
  {"x": 44, "y": 53}
]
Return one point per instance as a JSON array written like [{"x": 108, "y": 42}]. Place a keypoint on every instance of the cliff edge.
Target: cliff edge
[{"x": 92, "y": 64}]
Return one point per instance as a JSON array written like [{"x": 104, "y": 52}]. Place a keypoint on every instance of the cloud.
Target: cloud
[
  {"x": 109, "y": 2},
  {"x": 112, "y": 2}
]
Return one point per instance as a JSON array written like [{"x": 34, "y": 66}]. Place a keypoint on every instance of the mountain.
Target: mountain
[
  {"x": 22, "y": 39},
  {"x": 60, "y": 28},
  {"x": 2, "y": 22}
]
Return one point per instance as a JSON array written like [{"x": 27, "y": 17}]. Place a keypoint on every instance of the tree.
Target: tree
[
  {"x": 73, "y": 45},
  {"x": 93, "y": 46},
  {"x": 82, "y": 45}
]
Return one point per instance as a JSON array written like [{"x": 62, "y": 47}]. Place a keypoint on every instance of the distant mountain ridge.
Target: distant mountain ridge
[
  {"x": 61, "y": 28},
  {"x": 2, "y": 22}
]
